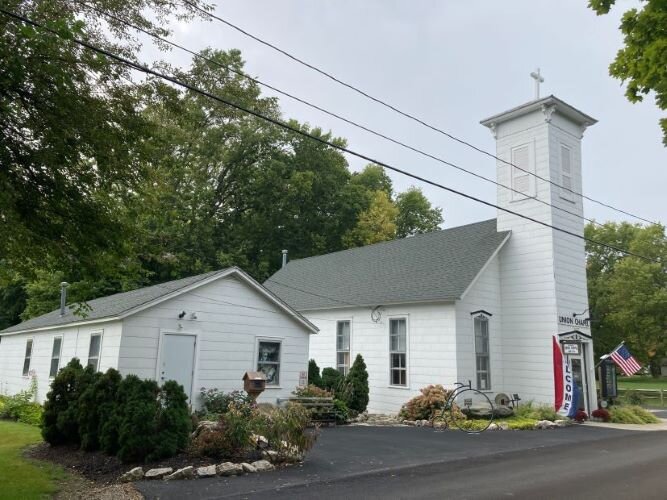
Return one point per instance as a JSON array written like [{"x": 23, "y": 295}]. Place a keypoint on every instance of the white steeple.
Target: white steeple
[{"x": 543, "y": 270}]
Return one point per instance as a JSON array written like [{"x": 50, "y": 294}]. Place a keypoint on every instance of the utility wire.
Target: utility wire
[
  {"x": 330, "y": 113},
  {"x": 286, "y": 126},
  {"x": 405, "y": 113}
]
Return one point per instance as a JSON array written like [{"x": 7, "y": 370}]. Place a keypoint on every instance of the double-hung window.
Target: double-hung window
[
  {"x": 55, "y": 356},
  {"x": 343, "y": 346},
  {"x": 28, "y": 356},
  {"x": 398, "y": 352},
  {"x": 268, "y": 361},
  {"x": 94, "y": 350},
  {"x": 483, "y": 367}
]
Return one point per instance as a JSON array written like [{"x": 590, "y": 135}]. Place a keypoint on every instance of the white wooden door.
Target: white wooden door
[{"x": 178, "y": 360}]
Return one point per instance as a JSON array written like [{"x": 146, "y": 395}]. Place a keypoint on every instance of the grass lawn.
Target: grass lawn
[
  {"x": 23, "y": 478},
  {"x": 637, "y": 383}
]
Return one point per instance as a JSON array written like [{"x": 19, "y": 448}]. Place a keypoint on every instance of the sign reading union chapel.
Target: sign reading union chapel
[{"x": 573, "y": 321}]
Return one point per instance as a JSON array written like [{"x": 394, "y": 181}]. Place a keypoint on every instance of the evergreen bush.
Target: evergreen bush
[
  {"x": 173, "y": 421},
  {"x": 356, "y": 397},
  {"x": 314, "y": 377},
  {"x": 138, "y": 410},
  {"x": 332, "y": 380},
  {"x": 96, "y": 405},
  {"x": 59, "y": 426}
]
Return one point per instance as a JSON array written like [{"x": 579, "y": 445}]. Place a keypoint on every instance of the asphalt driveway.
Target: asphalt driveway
[{"x": 347, "y": 452}]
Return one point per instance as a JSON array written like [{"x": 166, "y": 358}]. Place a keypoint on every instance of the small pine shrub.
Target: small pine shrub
[
  {"x": 59, "y": 424},
  {"x": 314, "y": 377},
  {"x": 602, "y": 414},
  {"x": 356, "y": 381},
  {"x": 426, "y": 406},
  {"x": 138, "y": 409},
  {"x": 332, "y": 380},
  {"x": 173, "y": 421},
  {"x": 96, "y": 408}
]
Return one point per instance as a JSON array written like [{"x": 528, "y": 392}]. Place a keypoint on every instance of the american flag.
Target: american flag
[{"x": 625, "y": 360}]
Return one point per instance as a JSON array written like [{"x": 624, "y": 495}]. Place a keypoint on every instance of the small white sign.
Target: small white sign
[
  {"x": 303, "y": 379},
  {"x": 570, "y": 348}
]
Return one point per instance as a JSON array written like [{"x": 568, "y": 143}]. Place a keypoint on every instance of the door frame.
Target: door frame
[{"x": 195, "y": 356}]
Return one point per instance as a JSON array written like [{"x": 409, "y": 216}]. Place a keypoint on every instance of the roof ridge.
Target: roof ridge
[{"x": 388, "y": 242}]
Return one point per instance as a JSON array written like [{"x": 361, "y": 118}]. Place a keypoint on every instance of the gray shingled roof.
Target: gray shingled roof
[
  {"x": 427, "y": 267},
  {"x": 110, "y": 306}
]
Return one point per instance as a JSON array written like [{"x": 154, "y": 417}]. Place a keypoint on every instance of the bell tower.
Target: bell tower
[{"x": 543, "y": 270}]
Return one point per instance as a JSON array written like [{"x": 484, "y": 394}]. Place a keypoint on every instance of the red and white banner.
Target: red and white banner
[{"x": 565, "y": 400}]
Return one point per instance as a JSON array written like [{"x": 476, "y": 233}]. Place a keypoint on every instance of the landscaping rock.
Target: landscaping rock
[
  {"x": 184, "y": 473},
  {"x": 158, "y": 473},
  {"x": 439, "y": 425},
  {"x": 493, "y": 427},
  {"x": 270, "y": 455},
  {"x": 262, "y": 465},
  {"x": 229, "y": 469},
  {"x": 261, "y": 441},
  {"x": 208, "y": 425},
  {"x": 545, "y": 424},
  {"x": 562, "y": 423},
  {"x": 503, "y": 426},
  {"x": 207, "y": 471},
  {"x": 248, "y": 468},
  {"x": 502, "y": 411},
  {"x": 132, "y": 475}
]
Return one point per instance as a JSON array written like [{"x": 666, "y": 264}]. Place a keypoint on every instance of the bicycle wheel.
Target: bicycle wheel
[{"x": 470, "y": 411}]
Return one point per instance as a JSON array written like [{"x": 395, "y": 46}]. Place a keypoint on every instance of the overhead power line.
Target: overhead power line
[
  {"x": 145, "y": 69},
  {"x": 330, "y": 113},
  {"x": 405, "y": 113}
]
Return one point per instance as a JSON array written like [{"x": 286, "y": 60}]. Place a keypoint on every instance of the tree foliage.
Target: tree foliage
[
  {"x": 415, "y": 214},
  {"x": 642, "y": 63},
  {"x": 628, "y": 295},
  {"x": 111, "y": 185},
  {"x": 357, "y": 386}
]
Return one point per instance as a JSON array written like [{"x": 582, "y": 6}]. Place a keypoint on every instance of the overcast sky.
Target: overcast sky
[{"x": 453, "y": 63}]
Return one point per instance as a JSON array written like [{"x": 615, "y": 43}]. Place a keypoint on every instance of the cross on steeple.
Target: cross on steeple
[{"x": 538, "y": 79}]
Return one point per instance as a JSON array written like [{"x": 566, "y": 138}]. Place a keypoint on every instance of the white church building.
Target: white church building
[{"x": 480, "y": 302}]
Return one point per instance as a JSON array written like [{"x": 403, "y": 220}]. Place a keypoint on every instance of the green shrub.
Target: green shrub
[
  {"x": 332, "y": 380},
  {"x": 30, "y": 413},
  {"x": 215, "y": 402},
  {"x": 286, "y": 430},
  {"x": 532, "y": 411},
  {"x": 59, "y": 422},
  {"x": 96, "y": 405},
  {"x": 21, "y": 406},
  {"x": 173, "y": 421},
  {"x": 426, "y": 406},
  {"x": 314, "y": 377},
  {"x": 138, "y": 410},
  {"x": 232, "y": 436},
  {"x": 631, "y": 415},
  {"x": 342, "y": 411},
  {"x": 312, "y": 391},
  {"x": 356, "y": 397}
]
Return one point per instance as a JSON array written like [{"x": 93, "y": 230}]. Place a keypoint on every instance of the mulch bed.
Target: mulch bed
[{"x": 104, "y": 469}]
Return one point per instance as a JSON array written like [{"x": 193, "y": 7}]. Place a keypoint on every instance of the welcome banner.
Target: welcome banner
[{"x": 565, "y": 389}]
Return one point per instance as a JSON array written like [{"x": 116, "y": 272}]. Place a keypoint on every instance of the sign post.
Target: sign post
[{"x": 608, "y": 382}]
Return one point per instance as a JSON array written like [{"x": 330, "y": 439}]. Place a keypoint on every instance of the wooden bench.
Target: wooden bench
[{"x": 322, "y": 410}]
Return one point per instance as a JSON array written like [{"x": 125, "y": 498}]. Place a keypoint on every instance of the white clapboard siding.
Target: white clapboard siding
[
  {"x": 230, "y": 317},
  {"x": 431, "y": 348},
  {"x": 76, "y": 343},
  {"x": 483, "y": 295}
]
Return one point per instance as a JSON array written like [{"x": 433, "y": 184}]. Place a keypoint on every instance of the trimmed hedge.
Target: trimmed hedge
[{"x": 132, "y": 418}]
